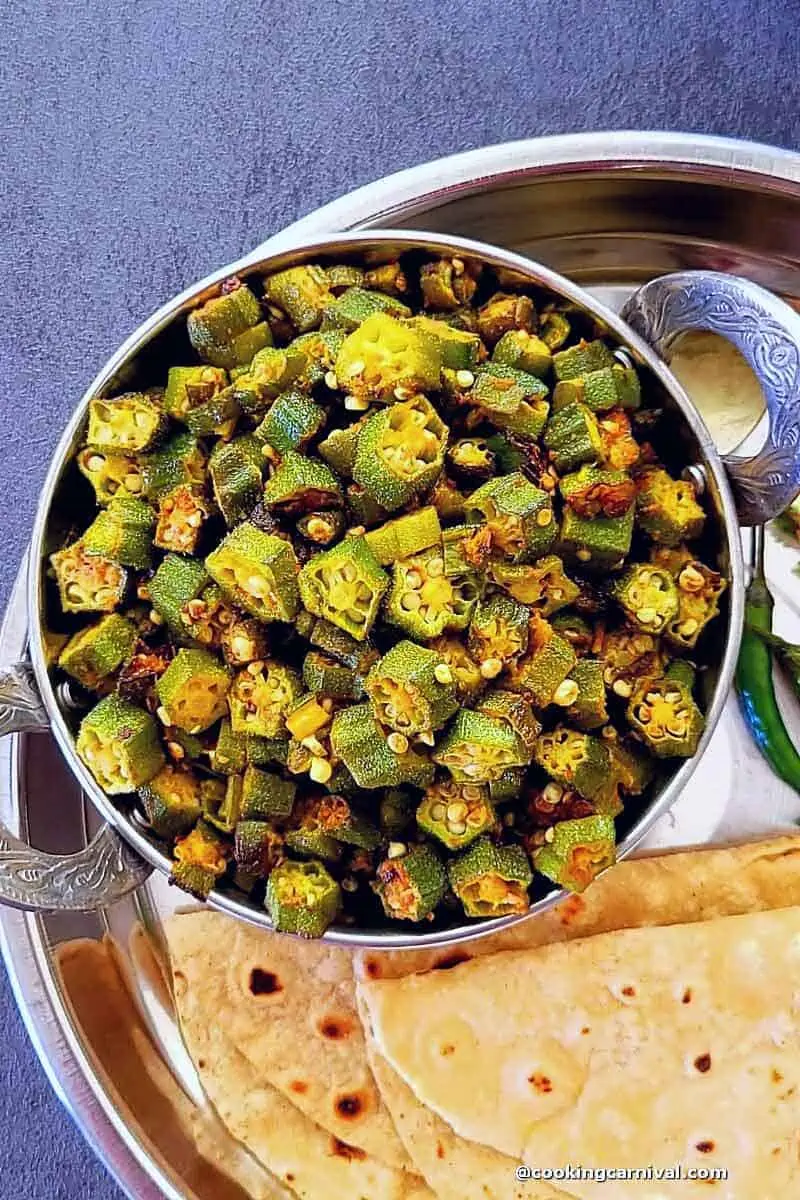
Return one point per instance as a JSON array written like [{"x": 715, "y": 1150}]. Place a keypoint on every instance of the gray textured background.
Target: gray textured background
[{"x": 144, "y": 145}]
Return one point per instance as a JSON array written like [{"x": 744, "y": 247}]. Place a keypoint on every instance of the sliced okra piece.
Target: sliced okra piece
[
  {"x": 491, "y": 880},
  {"x": 459, "y": 349},
  {"x": 216, "y": 417},
  {"x": 411, "y": 885},
  {"x": 511, "y": 399},
  {"x": 544, "y": 585},
  {"x": 411, "y": 689},
  {"x": 182, "y": 513},
  {"x": 504, "y": 312},
  {"x": 260, "y": 697},
  {"x": 400, "y": 452},
  {"x": 302, "y": 898},
  {"x": 301, "y": 484},
  {"x": 574, "y": 629},
  {"x": 471, "y": 459},
  {"x": 52, "y": 646},
  {"x": 271, "y": 373},
  {"x": 404, "y": 536},
  {"x": 517, "y": 514},
  {"x": 467, "y": 678},
  {"x": 578, "y": 851},
  {"x": 448, "y": 283},
  {"x": 498, "y": 631},
  {"x": 357, "y": 305},
  {"x": 205, "y": 618},
  {"x": 111, "y": 474},
  {"x": 87, "y": 582},
  {"x": 307, "y": 717},
  {"x": 192, "y": 388},
  {"x": 374, "y": 760},
  {"x": 447, "y": 499},
  {"x": 243, "y": 640},
  {"x": 597, "y": 543},
  {"x": 318, "y": 352},
  {"x": 666, "y": 718},
  {"x": 587, "y": 707},
  {"x": 339, "y": 448},
  {"x": 609, "y": 387},
  {"x": 122, "y": 532},
  {"x": 478, "y": 748},
  {"x": 629, "y": 655},
  {"x": 596, "y": 492},
  {"x": 176, "y": 581},
  {"x": 648, "y": 596},
  {"x": 338, "y": 819},
  {"x": 582, "y": 359},
  {"x": 667, "y": 508},
  {"x": 345, "y": 585},
  {"x": 424, "y": 600},
  {"x": 384, "y": 355},
  {"x": 335, "y": 642},
  {"x": 325, "y": 676},
  {"x": 396, "y": 813},
  {"x": 634, "y": 768},
  {"x": 572, "y": 437},
  {"x": 291, "y": 422},
  {"x": 699, "y": 590},
  {"x": 193, "y": 690},
  {"x": 525, "y": 351},
  {"x": 387, "y": 277},
  {"x": 362, "y": 509},
  {"x": 95, "y": 653},
  {"x": 258, "y": 847},
  {"x": 172, "y": 801},
  {"x": 119, "y": 744},
  {"x": 309, "y": 838},
  {"x": 230, "y": 328},
  {"x": 303, "y": 293},
  {"x": 684, "y": 671},
  {"x": 554, "y": 329},
  {"x": 516, "y": 711},
  {"x": 543, "y": 671},
  {"x": 139, "y": 674},
  {"x": 322, "y": 528},
  {"x": 579, "y": 760},
  {"x": 621, "y": 451},
  {"x": 262, "y": 751},
  {"x": 127, "y": 424},
  {"x": 235, "y": 469},
  {"x": 230, "y": 753},
  {"x": 508, "y": 786},
  {"x": 201, "y": 859},
  {"x": 180, "y": 460},
  {"x": 258, "y": 571},
  {"x": 343, "y": 275},
  {"x": 265, "y": 796}
]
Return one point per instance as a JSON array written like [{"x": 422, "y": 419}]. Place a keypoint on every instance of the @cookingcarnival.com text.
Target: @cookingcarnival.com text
[{"x": 576, "y": 1171}]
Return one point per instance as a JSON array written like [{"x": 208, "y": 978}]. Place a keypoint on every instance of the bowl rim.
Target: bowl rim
[{"x": 329, "y": 245}]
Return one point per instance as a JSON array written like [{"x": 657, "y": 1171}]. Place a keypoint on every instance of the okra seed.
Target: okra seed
[
  {"x": 349, "y": 884},
  {"x": 426, "y": 737},
  {"x": 257, "y": 586},
  {"x": 414, "y": 579},
  {"x": 435, "y": 567},
  {"x": 177, "y": 751},
  {"x": 255, "y": 668},
  {"x": 553, "y": 792},
  {"x": 240, "y": 647},
  {"x": 691, "y": 580},
  {"x": 622, "y": 688},
  {"x": 544, "y": 517},
  {"x": 549, "y": 834},
  {"x": 672, "y": 697},
  {"x": 355, "y": 368},
  {"x": 156, "y": 617},
  {"x": 403, "y": 393},
  {"x": 327, "y": 704},
  {"x": 442, "y": 673},
  {"x": 687, "y": 628},
  {"x": 566, "y": 693},
  {"x": 162, "y": 715},
  {"x": 464, "y": 378},
  {"x": 397, "y": 743},
  {"x": 396, "y": 849},
  {"x": 96, "y": 462},
  {"x": 583, "y": 554},
  {"x": 457, "y": 811},
  {"x": 472, "y": 769},
  {"x": 647, "y": 616},
  {"x": 133, "y": 483},
  {"x": 491, "y": 668},
  {"x": 356, "y": 531},
  {"x": 471, "y": 792},
  {"x": 355, "y": 404},
  {"x": 331, "y": 380},
  {"x": 195, "y": 519},
  {"x": 458, "y": 266},
  {"x": 458, "y": 828},
  {"x": 320, "y": 770},
  {"x": 438, "y": 812},
  {"x": 410, "y": 601}
]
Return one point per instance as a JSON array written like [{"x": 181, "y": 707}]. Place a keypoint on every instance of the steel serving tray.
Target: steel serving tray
[{"x": 608, "y": 210}]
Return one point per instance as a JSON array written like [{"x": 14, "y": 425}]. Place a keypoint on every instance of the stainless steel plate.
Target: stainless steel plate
[{"x": 610, "y": 210}]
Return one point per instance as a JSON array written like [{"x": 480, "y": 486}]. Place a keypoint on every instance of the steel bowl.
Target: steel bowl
[{"x": 763, "y": 328}]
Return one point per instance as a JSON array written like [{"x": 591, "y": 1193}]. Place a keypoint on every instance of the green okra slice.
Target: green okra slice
[
  {"x": 578, "y": 851},
  {"x": 396, "y": 812},
  {"x": 511, "y": 399},
  {"x": 225, "y": 815},
  {"x": 258, "y": 571},
  {"x": 582, "y": 359},
  {"x": 459, "y": 349},
  {"x": 128, "y": 424},
  {"x": 205, "y": 618},
  {"x": 258, "y": 847},
  {"x": 383, "y": 355},
  {"x": 345, "y": 585},
  {"x": 573, "y": 628},
  {"x": 467, "y": 678},
  {"x": 472, "y": 459},
  {"x": 243, "y": 640},
  {"x": 122, "y": 532},
  {"x": 400, "y": 452},
  {"x": 182, "y": 513},
  {"x": 302, "y": 898},
  {"x": 633, "y": 767},
  {"x": 628, "y": 655},
  {"x": 265, "y": 796},
  {"x": 424, "y": 600},
  {"x": 95, "y": 653},
  {"x": 235, "y": 470},
  {"x": 291, "y": 422},
  {"x": 525, "y": 351},
  {"x": 596, "y": 492},
  {"x": 301, "y": 484},
  {"x": 699, "y": 589},
  {"x": 648, "y": 596},
  {"x": 262, "y": 751},
  {"x": 87, "y": 582},
  {"x": 387, "y": 277},
  {"x": 344, "y": 275},
  {"x": 572, "y": 436},
  {"x": 596, "y": 543},
  {"x": 119, "y": 744},
  {"x": 587, "y": 708},
  {"x": 478, "y": 748},
  {"x": 176, "y": 581},
  {"x": 180, "y": 460},
  {"x": 193, "y": 690},
  {"x": 491, "y": 880},
  {"x": 404, "y": 536},
  {"x": 193, "y": 388},
  {"x": 303, "y": 293},
  {"x": 260, "y": 698},
  {"x": 456, "y": 813},
  {"x": 609, "y": 387},
  {"x": 201, "y": 859},
  {"x": 111, "y": 474},
  {"x": 325, "y": 676},
  {"x": 318, "y": 352},
  {"x": 339, "y": 448},
  {"x": 370, "y": 757},
  {"x": 357, "y": 305},
  {"x": 229, "y": 329},
  {"x": 322, "y": 528},
  {"x": 308, "y": 717},
  {"x": 667, "y": 508},
  {"x": 172, "y": 801},
  {"x": 230, "y": 753},
  {"x": 411, "y": 885},
  {"x": 577, "y": 759},
  {"x": 335, "y": 642},
  {"x": 448, "y": 283},
  {"x": 411, "y": 689},
  {"x": 447, "y": 499},
  {"x": 546, "y": 665},
  {"x": 504, "y": 312},
  {"x": 508, "y": 786},
  {"x": 684, "y": 671},
  {"x": 518, "y": 515},
  {"x": 498, "y": 630},
  {"x": 516, "y": 711},
  {"x": 666, "y": 718},
  {"x": 336, "y": 818},
  {"x": 271, "y": 374},
  {"x": 543, "y": 585},
  {"x": 554, "y": 329}
]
